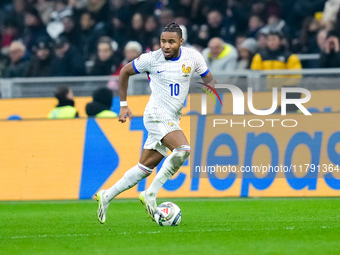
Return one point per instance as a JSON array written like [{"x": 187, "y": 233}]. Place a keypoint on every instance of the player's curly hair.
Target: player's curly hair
[{"x": 173, "y": 27}]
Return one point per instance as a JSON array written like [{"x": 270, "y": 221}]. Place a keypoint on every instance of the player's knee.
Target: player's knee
[{"x": 182, "y": 153}]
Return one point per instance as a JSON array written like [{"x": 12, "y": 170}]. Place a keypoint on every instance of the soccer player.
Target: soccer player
[{"x": 169, "y": 70}]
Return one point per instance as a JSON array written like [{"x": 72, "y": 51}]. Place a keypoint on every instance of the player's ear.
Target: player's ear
[{"x": 181, "y": 41}]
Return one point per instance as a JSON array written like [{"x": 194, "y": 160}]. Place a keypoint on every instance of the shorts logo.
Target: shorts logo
[
  {"x": 186, "y": 71},
  {"x": 171, "y": 123}
]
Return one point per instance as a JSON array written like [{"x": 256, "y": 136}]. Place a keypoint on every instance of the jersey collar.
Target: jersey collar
[{"x": 180, "y": 53}]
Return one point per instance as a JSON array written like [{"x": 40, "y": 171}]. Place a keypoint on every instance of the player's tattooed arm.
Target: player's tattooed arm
[{"x": 124, "y": 75}]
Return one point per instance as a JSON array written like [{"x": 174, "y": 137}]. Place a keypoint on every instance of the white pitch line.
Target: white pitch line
[
  {"x": 192, "y": 199},
  {"x": 159, "y": 232}
]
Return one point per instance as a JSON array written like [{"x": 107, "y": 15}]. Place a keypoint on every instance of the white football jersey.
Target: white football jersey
[{"x": 169, "y": 79}]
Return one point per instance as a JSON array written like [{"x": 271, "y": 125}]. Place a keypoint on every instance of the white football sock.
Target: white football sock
[
  {"x": 169, "y": 168},
  {"x": 130, "y": 179}
]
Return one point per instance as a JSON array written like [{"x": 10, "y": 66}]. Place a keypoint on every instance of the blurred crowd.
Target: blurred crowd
[{"x": 40, "y": 38}]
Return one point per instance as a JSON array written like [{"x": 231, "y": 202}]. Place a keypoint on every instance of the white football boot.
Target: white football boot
[
  {"x": 149, "y": 204},
  {"x": 102, "y": 206}
]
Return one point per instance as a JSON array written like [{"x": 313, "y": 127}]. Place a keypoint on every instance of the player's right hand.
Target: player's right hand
[{"x": 123, "y": 113}]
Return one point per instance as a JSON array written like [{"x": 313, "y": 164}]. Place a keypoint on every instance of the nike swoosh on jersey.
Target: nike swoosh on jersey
[{"x": 160, "y": 71}]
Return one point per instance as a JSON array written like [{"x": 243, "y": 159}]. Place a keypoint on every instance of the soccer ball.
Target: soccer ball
[{"x": 168, "y": 214}]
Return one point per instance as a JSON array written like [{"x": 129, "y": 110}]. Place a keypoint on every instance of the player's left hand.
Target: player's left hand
[{"x": 123, "y": 113}]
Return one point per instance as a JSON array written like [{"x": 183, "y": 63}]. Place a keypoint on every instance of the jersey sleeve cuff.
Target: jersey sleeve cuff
[
  {"x": 134, "y": 66},
  {"x": 205, "y": 73}
]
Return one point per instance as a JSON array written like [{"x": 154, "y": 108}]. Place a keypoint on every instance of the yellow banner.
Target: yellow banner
[{"x": 70, "y": 159}]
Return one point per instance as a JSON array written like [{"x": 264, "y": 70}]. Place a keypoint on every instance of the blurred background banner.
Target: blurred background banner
[
  {"x": 72, "y": 159},
  {"x": 38, "y": 108}
]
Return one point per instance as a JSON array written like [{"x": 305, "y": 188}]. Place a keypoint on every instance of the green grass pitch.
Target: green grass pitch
[{"x": 209, "y": 226}]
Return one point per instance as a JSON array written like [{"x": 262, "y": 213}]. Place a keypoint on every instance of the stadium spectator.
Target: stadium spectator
[
  {"x": 297, "y": 10},
  {"x": 77, "y": 4},
  {"x": 68, "y": 60},
  {"x": 276, "y": 23},
  {"x": 182, "y": 20},
  {"x": 116, "y": 5},
  {"x": 45, "y": 9},
  {"x": 166, "y": 16},
  {"x": 182, "y": 8},
  {"x": 330, "y": 56},
  {"x": 318, "y": 45},
  {"x": 275, "y": 57},
  {"x": 99, "y": 9},
  {"x": 118, "y": 29},
  {"x": 100, "y": 107},
  {"x": 9, "y": 32},
  {"x": 239, "y": 40},
  {"x": 246, "y": 52},
  {"x": 18, "y": 14},
  {"x": 132, "y": 50},
  {"x": 65, "y": 108},
  {"x": 144, "y": 7},
  {"x": 236, "y": 19},
  {"x": 308, "y": 36},
  {"x": 258, "y": 8},
  {"x": 137, "y": 32},
  {"x": 34, "y": 29},
  {"x": 336, "y": 26},
  {"x": 201, "y": 40},
  {"x": 107, "y": 60},
  {"x": 18, "y": 60},
  {"x": 216, "y": 29},
  {"x": 220, "y": 56},
  {"x": 41, "y": 62},
  {"x": 61, "y": 9},
  {"x": 119, "y": 8},
  {"x": 321, "y": 39},
  {"x": 89, "y": 34},
  {"x": 254, "y": 25},
  {"x": 330, "y": 13},
  {"x": 155, "y": 44},
  {"x": 71, "y": 32},
  {"x": 150, "y": 27},
  {"x": 261, "y": 39}
]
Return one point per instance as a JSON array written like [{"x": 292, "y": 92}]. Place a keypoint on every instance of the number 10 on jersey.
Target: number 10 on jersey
[{"x": 174, "y": 89}]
